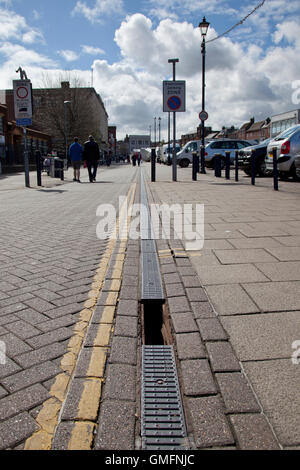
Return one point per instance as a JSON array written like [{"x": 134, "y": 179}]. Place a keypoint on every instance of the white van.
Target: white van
[
  {"x": 165, "y": 154},
  {"x": 185, "y": 156}
]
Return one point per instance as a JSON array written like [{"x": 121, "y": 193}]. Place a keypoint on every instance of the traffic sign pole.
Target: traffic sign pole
[
  {"x": 26, "y": 160},
  {"x": 174, "y": 162},
  {"x": 23, "y": 112}
]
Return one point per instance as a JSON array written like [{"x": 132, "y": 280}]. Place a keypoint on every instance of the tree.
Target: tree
[{"x": 65, "y": 107}]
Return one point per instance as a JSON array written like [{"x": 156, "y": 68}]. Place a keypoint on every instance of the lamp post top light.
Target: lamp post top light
[{"x": 204, "y": 25}]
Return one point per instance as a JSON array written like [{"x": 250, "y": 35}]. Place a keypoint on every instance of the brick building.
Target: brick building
[
  {"x": 12, "y": 143},
  {"x": 67, "y": 112}
]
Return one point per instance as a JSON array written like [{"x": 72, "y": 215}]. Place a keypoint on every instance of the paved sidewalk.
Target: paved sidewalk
[
  {"x": 250, "y": 270},
  {"x": 49, "y": 256}
]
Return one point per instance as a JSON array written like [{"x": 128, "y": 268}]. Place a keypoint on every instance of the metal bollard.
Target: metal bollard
[
  {"x": 227, "y": 165},
  {"x": 236, "y": 165},
  {"x": 252, "y": 168},
  {"x": 38, "y": 159},
  {"x": 217, "y": 165},
  {"x": 153, "y": 159},
  {"x": 275, "y": 169},
  {"x": 62, "y": 175},
  {"x": 195, "y": 166}
]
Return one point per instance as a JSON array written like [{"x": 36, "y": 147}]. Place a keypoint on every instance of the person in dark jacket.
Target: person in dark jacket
[{"x": 91, "y": 154}]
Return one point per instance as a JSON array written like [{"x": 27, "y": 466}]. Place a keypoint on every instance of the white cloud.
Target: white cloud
[
  {"x": 68, "y": 55},
  {"x": 240, "y": 81},
  {"x": 92, "y": 50},
  {"x": 99, "y": 10},
  {"x": 15, "y": 27}
]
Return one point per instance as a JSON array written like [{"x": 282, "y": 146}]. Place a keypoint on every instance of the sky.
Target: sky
[{"x": 122, "y": 47}]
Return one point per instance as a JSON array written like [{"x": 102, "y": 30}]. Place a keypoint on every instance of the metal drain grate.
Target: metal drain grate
[
  {"x": 151, "y": 278},
  {"x": 152, "y": 289},
  {"x": 163, "y": 425}
]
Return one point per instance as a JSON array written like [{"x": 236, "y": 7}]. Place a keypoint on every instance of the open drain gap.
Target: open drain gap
[{"x": 152, "y": 323}]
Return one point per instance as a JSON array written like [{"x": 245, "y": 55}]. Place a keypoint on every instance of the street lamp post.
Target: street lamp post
[
  {"x": 155, "y": 132},
  {"x": 204, "y": 25},
  {"x": 159, "y": 119},
  {"x": 150, "y": 134},
  {"x": 65, "y": 127}
]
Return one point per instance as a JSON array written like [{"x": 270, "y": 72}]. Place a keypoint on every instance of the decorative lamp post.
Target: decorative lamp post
[
  {"x": 204, "y": 25},
  {"x": 155, "y": 132}
]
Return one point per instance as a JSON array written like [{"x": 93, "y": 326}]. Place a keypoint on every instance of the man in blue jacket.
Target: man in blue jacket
[{"x": 75, "y": 152}]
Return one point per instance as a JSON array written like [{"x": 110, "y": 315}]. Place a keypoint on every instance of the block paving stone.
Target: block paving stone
[
  {"x": 116, "y": 426},
  {"x": 197, "y": 378},
  {"x": 16, "y": 429},
  {"x": 237, "y": 393},
  {"x": 253, "y": 432}
]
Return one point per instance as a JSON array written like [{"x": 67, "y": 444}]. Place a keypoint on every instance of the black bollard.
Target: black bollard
[
  {"x": 252, "y": 168},
  {"x": 227, "y": 165},
  {"x": 236, "y": 165},
  {"x": 153, "y": 159},
  {"x": 275, "y": 169},
  {"x": 195, "y": 166},
  {"x": 62, "y": 176},
  {"x": 38, "y": 159},
  {"x": 217, "y": 165}
]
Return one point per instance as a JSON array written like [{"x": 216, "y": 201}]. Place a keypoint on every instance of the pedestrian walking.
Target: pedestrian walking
[
  {"x": 133, "y": 158},
  {"x": 75, "y": 153},
  {"x": 91, "y": 154},
  {"x": 108, "y": 159},
  {"x": 139, "y": 159}
]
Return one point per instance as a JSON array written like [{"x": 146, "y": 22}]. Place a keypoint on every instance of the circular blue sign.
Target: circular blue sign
[{"x": 174, "y": 103}]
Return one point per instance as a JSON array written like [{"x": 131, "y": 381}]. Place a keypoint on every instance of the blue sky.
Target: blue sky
[{"x": 250, "y": 72}]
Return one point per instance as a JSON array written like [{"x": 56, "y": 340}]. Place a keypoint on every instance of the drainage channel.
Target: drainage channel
[{"x": 162, "y": 417}]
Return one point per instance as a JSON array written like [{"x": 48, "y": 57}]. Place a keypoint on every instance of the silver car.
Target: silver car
[
  {"x": 297, "y": 165},
  {"x": 288, "y": 146},
  {"x": 221, "y": 146}
]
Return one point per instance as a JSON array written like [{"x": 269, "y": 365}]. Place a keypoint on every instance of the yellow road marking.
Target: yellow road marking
[
  {"x": 89, "y": 403},
  {"x": 48, "y": 417},
  {"x": 82, "y": 436}
]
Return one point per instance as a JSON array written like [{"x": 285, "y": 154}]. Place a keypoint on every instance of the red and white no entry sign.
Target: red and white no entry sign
[
  {"x": 22, "y": 92},
  {"x": 22, "y": 99}
]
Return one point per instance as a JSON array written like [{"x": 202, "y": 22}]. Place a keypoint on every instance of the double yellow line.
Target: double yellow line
[{"x": 87, "y": 411}]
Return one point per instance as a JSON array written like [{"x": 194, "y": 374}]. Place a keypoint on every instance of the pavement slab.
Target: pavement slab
[
  {"x": 277, "y": 383},
  {"x": 263, "y": 336}
]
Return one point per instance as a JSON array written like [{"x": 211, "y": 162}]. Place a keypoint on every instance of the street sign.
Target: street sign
[
  {"x": 24, "y": 122},
  {"x": 22, "y": 99},
  {"x": 203, "y": 115},
  {"x": 174, "y": 96}
]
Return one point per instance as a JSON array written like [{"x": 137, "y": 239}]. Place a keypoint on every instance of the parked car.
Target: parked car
[
  {"x": 185, "y": 156},
  {"x": 165, "y": 152},
  {"x": 297, "y": 165},
  {"x": 259, "y": 152},
  {"x": 221, "y": 146},
  {"x": 288, "y": 146}
]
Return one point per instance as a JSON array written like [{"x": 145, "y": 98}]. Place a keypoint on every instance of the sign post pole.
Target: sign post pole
[
  {"x": 174, "y": 101},
  {"x": 23, "y": 112},
  {"x": 26, "y": 161}
]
